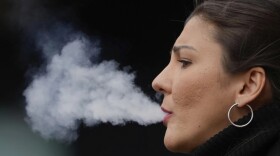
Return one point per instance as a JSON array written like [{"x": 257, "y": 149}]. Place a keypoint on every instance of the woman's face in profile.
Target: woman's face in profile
[{"x": 197, "y": 90}]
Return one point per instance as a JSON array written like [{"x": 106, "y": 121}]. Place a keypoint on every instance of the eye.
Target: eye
[{"x": 185, "y": 63}]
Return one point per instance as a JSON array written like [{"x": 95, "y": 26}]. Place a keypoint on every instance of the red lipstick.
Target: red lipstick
[{"x": 167, "y": 116}]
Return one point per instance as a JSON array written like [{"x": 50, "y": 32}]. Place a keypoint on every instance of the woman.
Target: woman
[{"x": 222, "y": 85}]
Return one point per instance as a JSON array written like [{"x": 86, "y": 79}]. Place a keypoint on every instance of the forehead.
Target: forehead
[
  {"x": 196, "y": 30},
  {"x": 200, "y": 35}
]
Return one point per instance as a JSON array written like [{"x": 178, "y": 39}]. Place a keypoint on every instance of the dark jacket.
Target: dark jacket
[{"x": 260, "y": 138}]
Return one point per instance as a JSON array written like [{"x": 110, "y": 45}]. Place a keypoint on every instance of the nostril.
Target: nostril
[
  {"x": 162, "y": 83},
  {"x": 156, "y": 86},
  {"x": 159, "y": 88}
]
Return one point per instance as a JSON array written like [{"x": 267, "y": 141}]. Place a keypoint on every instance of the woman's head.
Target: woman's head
[
  {"x": 249, "y": 32},
  {"x": 228, "y": 51}
]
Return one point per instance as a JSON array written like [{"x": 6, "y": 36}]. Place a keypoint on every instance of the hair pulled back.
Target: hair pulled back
[{"x": 249, "y": 31}]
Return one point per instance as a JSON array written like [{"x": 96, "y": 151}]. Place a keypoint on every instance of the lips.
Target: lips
[{"x": 167, "y": 116}]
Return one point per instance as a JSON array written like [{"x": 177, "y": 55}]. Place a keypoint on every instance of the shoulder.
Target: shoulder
[
  {"x": 265, "y": 142},
  {"x": 274, "y": 150}
]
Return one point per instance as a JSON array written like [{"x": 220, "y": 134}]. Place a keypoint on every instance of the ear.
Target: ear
[{"x": 252, "y": 84}]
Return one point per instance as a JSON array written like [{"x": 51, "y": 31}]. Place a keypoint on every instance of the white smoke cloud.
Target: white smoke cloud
[{"x": 73, "y": 89}]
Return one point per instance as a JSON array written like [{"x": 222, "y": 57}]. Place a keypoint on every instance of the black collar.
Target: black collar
[{"x": 254, "y": 139}]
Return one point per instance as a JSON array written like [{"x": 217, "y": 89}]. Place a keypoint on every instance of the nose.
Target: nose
[{"x": 162, "y": 83}]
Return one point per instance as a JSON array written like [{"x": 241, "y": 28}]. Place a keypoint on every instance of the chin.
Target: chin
[{"x": 176, "y": 146}]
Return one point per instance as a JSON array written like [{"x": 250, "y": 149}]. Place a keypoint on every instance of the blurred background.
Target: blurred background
[{"x": 138, "y": 34}]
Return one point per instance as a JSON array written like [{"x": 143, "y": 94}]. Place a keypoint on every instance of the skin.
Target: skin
[{"x": 196, "y": 88}]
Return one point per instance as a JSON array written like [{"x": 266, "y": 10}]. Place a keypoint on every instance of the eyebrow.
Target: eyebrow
[{"x": 179, "y": 47}]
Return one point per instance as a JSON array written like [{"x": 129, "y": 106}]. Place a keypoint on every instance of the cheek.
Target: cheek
[
  {"x": 190, "y": 90},
  {"x": 195, "y": 109},
  {"x": 185, "y": 129}
]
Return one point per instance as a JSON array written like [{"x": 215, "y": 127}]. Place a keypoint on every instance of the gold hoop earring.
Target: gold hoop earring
[{"x": 236, "y": 125}]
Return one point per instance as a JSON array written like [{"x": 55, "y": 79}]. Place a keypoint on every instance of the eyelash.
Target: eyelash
[{"x": 185, "y": 63}]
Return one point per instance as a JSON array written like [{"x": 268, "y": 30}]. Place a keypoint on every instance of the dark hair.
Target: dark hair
[{"x": 249, "y": 31}]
